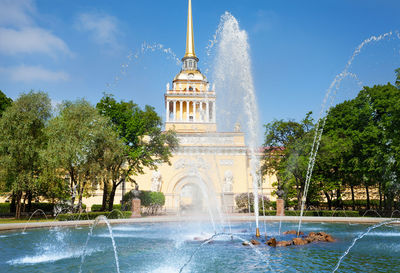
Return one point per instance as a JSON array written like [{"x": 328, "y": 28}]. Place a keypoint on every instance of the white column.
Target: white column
[
  {"x": 194, "y": 110},
  {"x": 214, "y": 111},
  {"x": 208, "y": 111},
  {"x": 174, "y": 110},
  {"x": 167, "y": 112},
  {"x": 201, "y": 111},
  {"x": 187, "y": 111},
  {"x": 181, "y": 109}
]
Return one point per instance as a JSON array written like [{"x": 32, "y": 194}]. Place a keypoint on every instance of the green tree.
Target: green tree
[
  {"x": 4, "y": 102},
  {"x": 21, "y": 141},
  {"x": 286, "y": 154},
  {"x": 397, "y": 77},
  {"x": 363, "y": 144},
  {"x": 383, "y": 102},
  {"x": 338, "y": 162},
  {"x": 145, "y": 145},
  {"x": 78, "y": 141}
]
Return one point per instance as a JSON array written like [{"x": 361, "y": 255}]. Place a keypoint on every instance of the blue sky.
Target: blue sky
[{"x": 74, "y": 49}]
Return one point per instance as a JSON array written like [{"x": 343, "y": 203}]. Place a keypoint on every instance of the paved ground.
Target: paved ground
[{"x": 159, "y": 219}]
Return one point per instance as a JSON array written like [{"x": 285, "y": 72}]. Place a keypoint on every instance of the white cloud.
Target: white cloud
[
  {"x": 103, "y": 27},
  {"x": 31, "y": 40},
  {"x": 16, "y": 12},
  {"x": 34, "y": 73},
  {"x": 19, "y": 33}
]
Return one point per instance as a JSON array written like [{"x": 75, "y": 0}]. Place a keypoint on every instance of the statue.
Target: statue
[
  {"x": 136, "y": 192},
  {"x": 156, "y": 181},
  {"x": 280, "y": 203},
  {"x": 135, "y": 202},
  {"x": 228, "y": 181},
  {"x": 237, "y": 127}
]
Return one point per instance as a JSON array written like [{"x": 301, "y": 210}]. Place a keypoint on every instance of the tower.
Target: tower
[{"x": 190, "y": 104}]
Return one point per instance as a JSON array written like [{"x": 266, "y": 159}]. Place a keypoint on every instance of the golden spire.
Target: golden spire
[{"x": 189, "y": 35}]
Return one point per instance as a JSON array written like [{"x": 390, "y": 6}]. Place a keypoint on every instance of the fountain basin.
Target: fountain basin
[{"x": 166, "y": 247}]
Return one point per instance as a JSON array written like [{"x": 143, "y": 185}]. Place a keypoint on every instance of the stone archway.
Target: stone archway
[
  {"x": 191, "y": 198},
  {"x": 194, "y": 191}
]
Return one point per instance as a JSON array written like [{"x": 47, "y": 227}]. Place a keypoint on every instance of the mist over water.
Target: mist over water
[{"x": 236, "y": 98}]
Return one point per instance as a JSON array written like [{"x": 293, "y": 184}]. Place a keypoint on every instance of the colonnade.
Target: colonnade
[{"x": 196, "y": 111}]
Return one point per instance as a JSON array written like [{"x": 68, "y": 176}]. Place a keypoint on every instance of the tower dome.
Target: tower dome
[{"x": 190, "y": 104}]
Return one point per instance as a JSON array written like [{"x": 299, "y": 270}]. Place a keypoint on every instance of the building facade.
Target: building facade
[{"x": 209, "y": 167}]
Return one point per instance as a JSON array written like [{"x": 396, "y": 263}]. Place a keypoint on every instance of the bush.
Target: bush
[
  {"x": 242, "y": 201},
  {"x": 361, "y": 203},
  {"x": 325, "y": 213},
  {"x": 94, "y": 215},
  {"x": 66, "y": 206},
  {"x": 46, "y": 207},
  {"x": 5, "y": 208},
  {"x": 97, "y": 207},
  {"x": 152, "y": 201}
]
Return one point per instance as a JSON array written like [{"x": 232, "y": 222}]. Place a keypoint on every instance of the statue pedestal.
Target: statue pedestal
[
  {"x": 135, "y": 208},
  {"x": 228, "y": 202},
  {"x": 280, "y": 207}
]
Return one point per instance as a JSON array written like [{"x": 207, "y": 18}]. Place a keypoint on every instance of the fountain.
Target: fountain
[
  {"x": 330, "y": 97},
  {"x": 234, "y": 83},
  {"x": 170, "y": 247},
  {"x": 38, "y": 210},
  {"x": 90, "y": 234}
]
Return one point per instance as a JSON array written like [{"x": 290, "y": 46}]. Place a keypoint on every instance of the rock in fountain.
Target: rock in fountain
[
  {"x": 319, "y": 237},
  {"x": 294, "y": 232},
  {"x": 271, "y": 242},
  {"x": 299, "y": 241},
  {"x": 312, "y": 237}
]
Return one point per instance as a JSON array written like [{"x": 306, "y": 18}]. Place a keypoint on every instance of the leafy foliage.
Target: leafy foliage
[
  {"x": 145, "y": 145},
  {"x": 98, "y": 207},
  {"x": 94, "y": 215},
  {"x": 325, "y": 213},
  {"x": 140, "y": 130},
  {"x": 152, "y": 201},
  {"x": 287, "y": 148},
  {"x": 79, "y": 139},
  {"x": 21, "y": 142},
  {"x": 4, "y": 102},
  {"x": 360, "y": 147},
  {"x": 243, "y": 200}
]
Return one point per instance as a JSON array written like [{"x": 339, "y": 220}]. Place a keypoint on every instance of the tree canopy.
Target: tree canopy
[
  {"x": 79, "y": 139},
  {"x": 4, "y": 102},
  {"x": 145, "y": 144},
  {"x": 286, "y": 153},
  {"x": 360, "y": 147},
  {"x": 140, "y": 130},
  {"x": 21, "y": 142}
]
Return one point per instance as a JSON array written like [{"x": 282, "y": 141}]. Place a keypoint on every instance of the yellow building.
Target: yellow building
[{"x": 209, "y": 167}]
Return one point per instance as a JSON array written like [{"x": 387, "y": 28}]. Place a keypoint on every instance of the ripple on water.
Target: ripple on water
[
  {"x": 128, "y": 228},
  {"x": 49, "y": 257},
  {"x": 384, "y": 234}
]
